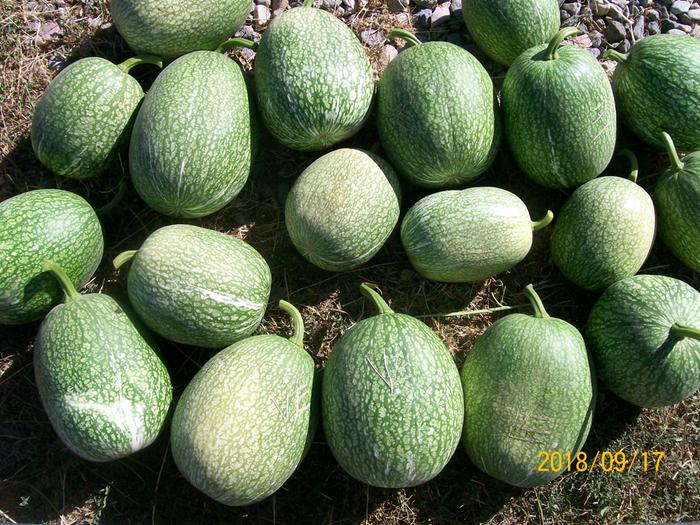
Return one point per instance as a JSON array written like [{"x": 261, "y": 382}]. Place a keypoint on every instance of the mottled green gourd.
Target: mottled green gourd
[
  {"x": 197, "y": 286},
  {"x": 604, "y": 232},
  {"x": 342, "y": 209},
  {"x": 241, "y": 426},
  {"x": 38, "y": 225},
  {"x": 468, "y": 235},
  {"x": 677, "y": 198},
  {"x": 105, "y": 390},
  {"x": 170, "y": 28},
  {"x": 437, "y": 114},
  {"x": 83, "y": 119},
  {"x": 391, "y": 400},
  {"x": 504, "y": 29},
  {"x": 644, "y": 335},
  {"x": 313, "y": 80},
  {"x": 528, "y": 388},
  {"x": 190, "y": 151},
  {"x": 656, "y": 89},
  {"x": 559, "y": 114}
]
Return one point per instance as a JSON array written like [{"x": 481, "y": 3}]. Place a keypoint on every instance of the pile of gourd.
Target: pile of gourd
[{"x": 391, "y": 401}]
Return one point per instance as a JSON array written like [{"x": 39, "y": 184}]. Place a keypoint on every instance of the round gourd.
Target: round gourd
[
  {"x": 38, "y": 225},
  {"x": 559, "y": 114},
  {"x": 190, "y": 151},
  {"x": 197, "y": 286},
  {"x": 462, "y": 236},
  {"x": 241, "y": 425},
  {"x": 644, "y": 335},
  {"x": 313, "y": 80},
  {"x": 391, "y": 400},
  {"x": 342, "y": 209},
  {"x": 437, "y": 114},
  {"x": 528, "y": 388}
]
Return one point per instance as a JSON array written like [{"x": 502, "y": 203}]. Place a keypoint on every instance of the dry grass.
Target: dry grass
[{"x": 41, "y": 481}]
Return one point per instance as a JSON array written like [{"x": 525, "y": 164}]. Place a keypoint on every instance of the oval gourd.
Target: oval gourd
[
  {"x": 468, "y": 235},
  {"x": 342, "y": 209},
  {"x": 241, "y": 426},
  {"x": 105, "y": 390},
  {"x": 197, "y": 286},
  {"x": 559, "y": 114},
  {"x": 191, "y": 146},
  {"x": 677, "y": 198},
  {"x": 170, "y": 28},
  {"x": 505, "y": 29},
  {"x": 441, "y": 128},
  {"x": 528, "y": 388},
  {"x": 38, "y": 225},
  {"x": 644, "y": 335},
  {"x": 391, "y": 400}
]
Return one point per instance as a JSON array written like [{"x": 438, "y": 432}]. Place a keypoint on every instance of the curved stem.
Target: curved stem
[
  {"x": 615, "y": 55},
  {"x": 108, "y": 208},
  {"x": 634, "y": 163},
  {"x": 543, "y": 222},
  {"x": 680, "y": 331},
  {"x": 410, "y": 38},
  {"x": 308, "y": 3},
  {"x": 297, "y": 322},
  {"x": 129, "y": 63},
  {"x": 69, "y": 290},
  {"x": 377, "y": 299},
  {"x": 236, "y": 42},
  {"x": 672, "y": 152},
  {"x": 123, "y": 258},
  {"x": 536, "y": 302},
  {"x": 553, "y": 47}
]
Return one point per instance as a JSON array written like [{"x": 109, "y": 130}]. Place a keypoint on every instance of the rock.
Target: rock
[
  {"x": 596, "y": 38},
  {"x": 615, "y": 31},
  {"x": 261, "y": 14},
  {"x": 397, "y": 6},
  {"x": 694, "y": 15},
  {"x": 600, "y": 8},
  {"x": 594, "y": 51},
  {"x": 441, "y": 14},
  {"x": 456, "y": 8},
  {"x": 349, "y": 4},
  {"x": 330, "y": 5},
  {"x": 387, "y": 54},
  {"x": 668, "y": 25},
  {"x": 573, "y": 8},
  {"x": 563, "y": 15},
  {"x": 624, "y": 46},
  {"x": 49, "y": 29},
  {"x": 653, "y": 28},
  {"x": 262, "y": 2},
  {"x": 638, "y": 28},
  {"x": 425, "y": 3},
  {"x": 373, "y": 36},
  {"x": 583, "y": 41},
  {"x": 653, "y": 14},
  {"x": 679, "y": 31},
  {"x": 422, "y": 18},
  {"x": 280, "y": 5},
  {"x": 680, "y": 6}
]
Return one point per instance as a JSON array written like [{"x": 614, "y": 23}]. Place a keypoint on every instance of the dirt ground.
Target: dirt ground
[{"x": 40, "y": 481}]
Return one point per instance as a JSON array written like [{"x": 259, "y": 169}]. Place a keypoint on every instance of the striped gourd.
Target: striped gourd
[
  {"x": 38, "y": 225},
  {"x": 528, "y": 388},
  {"x": 198, "y": 286},
  {"x": 343, "y": 208},
  {"x": 241, "y": 426},
  {"x": 105, "y": 390},
  {"x": 391, "y": 400},
  {"x": 468, "y": 235}
]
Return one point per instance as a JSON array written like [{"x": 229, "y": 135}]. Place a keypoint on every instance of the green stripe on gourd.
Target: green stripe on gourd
[
  {"x": 83, "y": 119},
  {"x": 191, "y": 146},
  {"x": 105, "y": 390},
  {"x": 342, "y": 209},
  {"x": 604, "y": 232},
  {"x": 677, "y": 198},
  {"x": 644, "y": 335},
  {"x": 170, "y": 28},
  {"x": 197, "y": 286},
  {"x": 468, "y": 235},
  {"x": 437, "y": 114},
  {"x": 656, "y": 88},
  {"x": 528, "y": 388},
  {"x": 503, "y": 30},
  {"x": 240, "y": 427},
  {"x": 559, "y": 114},
  {"x": 313, "y": 79},
  {"x": 391, "y": 400},
  {"x": 38, "y": 225}
]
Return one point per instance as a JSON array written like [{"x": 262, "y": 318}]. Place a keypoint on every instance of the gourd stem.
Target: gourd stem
[
  {"x": 236, "y": 42},
  {"x": 672, "y": 152},
  {"x": 108, "y": 208},
  {"x": 297, "y": 322},
  {"x": 634, "y": 163},
  {"x": 308, "y": 3},
  {"x": 553, "y": 47},
  {"x": 680, "y": 331},
  {"x": 543, "y": 222},
  {"x": 410, "y": 38},
  {"x": 123, "y": 258},
  {"x": 615, "y": 55},
  {"x": 129, "y": 63},
  {"x": 69, "y": 290},
  {"x": 536, "y": 302},
  {"x": 377, "y": 299}
]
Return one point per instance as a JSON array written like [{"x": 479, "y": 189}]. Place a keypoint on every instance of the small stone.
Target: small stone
[
  {"x": 373, "y": 37},
  {"x": 330, "y": 5},
  {"x": 563, "y": 15},
  {"x": 594, "y": 51},
  {"x": 246, "y": 32},
  {"x": 652, "y": 14},
  {"x": 653, "y": 28},
  {"x": 668, "y": 25},
  {"x": 573, "y": 8},
  {"x": 56, "y": 62},
  {"x": 387, "y": 54},
  {"x": 261, "y": 14},
  {"x": 456, "y": 8},
  {"x": 279, "y": 5},
  {"x": 624, "y": 46},
  {"x": 350, "y": 4},
  {"x": 616, "y": 13},
  {"x": 425, "y": 3},
  {"x": 615, "y": 31},
  {"x": 678, "y": 31},
  {"x": 596, "y": 38},
  {"x": 398, "y": 6},
  {"x": 421, "y": 18},
  {"x": 694, "y": 15},
  {"x": 600, "y": 8},
  {"x": 638, "y": 28},
  {"x": 583, "y": 41},
  {"x": 262, "y": 2},
  {"x": 680, "y": 6},
  {"x": 441, "y": 14}
]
